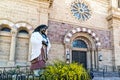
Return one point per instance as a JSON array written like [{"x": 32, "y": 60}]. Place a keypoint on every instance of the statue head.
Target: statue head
[{"x": 41, "y": 28}]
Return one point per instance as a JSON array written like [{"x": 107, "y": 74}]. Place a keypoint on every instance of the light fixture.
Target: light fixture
[
  {"x": 67, "y": 57},
  {"x": 100, "y": 58}
]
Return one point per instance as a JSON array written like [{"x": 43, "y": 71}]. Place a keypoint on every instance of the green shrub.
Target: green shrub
[{"x": 63, "y": 71}]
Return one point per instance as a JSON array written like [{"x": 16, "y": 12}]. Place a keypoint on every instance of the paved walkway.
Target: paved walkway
[{"x": 106, "y": 78}]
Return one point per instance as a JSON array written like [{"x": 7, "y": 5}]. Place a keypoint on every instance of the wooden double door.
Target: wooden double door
[{"x": 79, "y": 57}]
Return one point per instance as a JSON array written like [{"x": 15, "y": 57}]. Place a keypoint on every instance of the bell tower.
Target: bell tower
[{"x": 113, "y": 19}]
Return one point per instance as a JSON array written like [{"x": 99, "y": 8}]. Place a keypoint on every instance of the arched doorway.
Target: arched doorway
[
  {"x": 79, "y": 52},
  {"x": 81, "y": 45},
  {"x": 82, "y": 50}
]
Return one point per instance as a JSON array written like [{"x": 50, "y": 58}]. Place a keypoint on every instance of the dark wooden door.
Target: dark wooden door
[{"x": 79, "y": 57}]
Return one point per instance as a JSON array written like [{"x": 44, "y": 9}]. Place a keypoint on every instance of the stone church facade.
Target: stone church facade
[{"x": 83, "y": 31}]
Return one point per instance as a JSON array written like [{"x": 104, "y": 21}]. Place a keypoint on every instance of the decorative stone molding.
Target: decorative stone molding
[
  {"x": 113, "y": 13},
  {"x": 85, "y": 30},
  {"x": 48, "y": 1},
  {"x": 116, "y": 15},
  {"x": 18, "y": 25},
  {"x": 43, "y": 4},
  {"x": 28, "y": 26},
  {"x": 11, "y": 24},
  {"x": 14, "y": 27},
  {"x": 58, "y": 36}
]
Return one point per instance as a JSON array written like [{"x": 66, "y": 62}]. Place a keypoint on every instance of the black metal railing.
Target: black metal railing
[
  {"x": 16, "y": 73},
  {"x": 24, "y": 73},
  {"x": 106, "y": 71}
]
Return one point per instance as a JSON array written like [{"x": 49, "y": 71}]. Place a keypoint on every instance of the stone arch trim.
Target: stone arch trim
[
  {"x": 84, "y": 30},
  {"x": 11, "y": 24},
  {"x": 17, "y": 25},
  {"x": 23, "y": 24}
]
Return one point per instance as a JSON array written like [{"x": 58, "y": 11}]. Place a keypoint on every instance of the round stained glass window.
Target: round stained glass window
[{"x": 80, "y": 10}]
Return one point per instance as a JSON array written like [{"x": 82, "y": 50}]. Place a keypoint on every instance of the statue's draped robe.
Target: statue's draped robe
[{"x": 39, "y": 50}]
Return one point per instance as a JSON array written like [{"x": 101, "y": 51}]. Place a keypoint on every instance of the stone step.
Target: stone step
[
  {"x": 106, "y": 74},
  {"x": 106, "y": 78}
]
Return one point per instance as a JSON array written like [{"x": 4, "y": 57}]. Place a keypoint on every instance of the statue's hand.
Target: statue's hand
[{"x": 43, "y": 42}]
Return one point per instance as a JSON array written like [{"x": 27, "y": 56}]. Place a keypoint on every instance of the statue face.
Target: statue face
[{"x": 43, "y": 30}]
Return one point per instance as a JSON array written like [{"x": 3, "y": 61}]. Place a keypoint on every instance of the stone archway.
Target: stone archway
[
  {"x": 91, "y": 40},
  {"x": 79, "y": 52}
]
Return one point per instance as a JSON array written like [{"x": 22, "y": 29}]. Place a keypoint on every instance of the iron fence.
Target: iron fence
[{"x": 24, "y": 73}]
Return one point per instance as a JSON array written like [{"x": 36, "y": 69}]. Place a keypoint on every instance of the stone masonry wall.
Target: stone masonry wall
[
  {"x": 58, "y": 30},
  {"x": 60, "y": 11},
  {"x": 20, "y": 11},
  {"x": 60, "y": 22}
]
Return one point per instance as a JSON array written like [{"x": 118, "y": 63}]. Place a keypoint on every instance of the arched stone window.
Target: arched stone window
[
  {"x": 22, "y": 46},
  {"x": 79, "y": 44},
  {"x": 5, "y": 43},
  {"x": 6, "y": 29},
  {"x": 23, "y": 31}
]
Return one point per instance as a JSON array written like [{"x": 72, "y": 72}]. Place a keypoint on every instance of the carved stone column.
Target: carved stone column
[
  {"x": 93, "y": 58},
  {"x": 12, "y": 48},
  {"x": 30, "y": 49}
]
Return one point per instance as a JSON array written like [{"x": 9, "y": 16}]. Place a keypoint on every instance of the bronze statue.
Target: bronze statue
[{"x": 40, "y": 48}]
